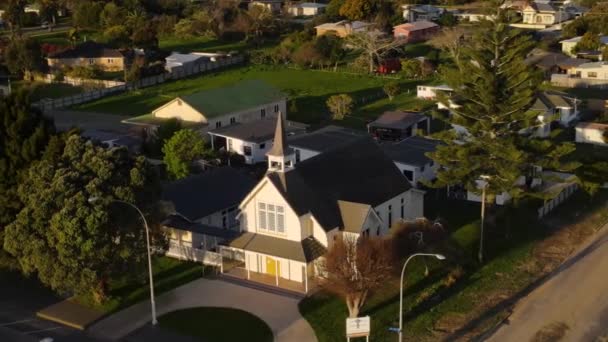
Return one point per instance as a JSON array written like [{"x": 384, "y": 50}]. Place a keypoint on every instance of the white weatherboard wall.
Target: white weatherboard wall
[
  {"x": 179, "y": 109},
  {"x": 258, "y": 153},
  {"x": 428, "y": 173},
  {"x": 267, "y": 193},
  {"x": 304, "y": 153},
  {"x": 590, "y": 135},
  {"x": 413, "y": 201}
]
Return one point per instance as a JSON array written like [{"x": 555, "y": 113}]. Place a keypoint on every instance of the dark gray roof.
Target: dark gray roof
[
  {"x": 547, "y": 101},
  {"x": 306, "y": 250},
  {"x": 397, "y": 120},
  {"x": 200, "y": 195},
  {"x": 543, "y": 7},
  {"x": 411, "y": 151},
  {"x": 178, "y": 222},
  {"x": 326, "y": 138},
  {"x": 88, "y": 49},
  {"x": 357, "y": 172},
  {"x": 257, "y": 131},
  {"x": 279, "y": 143}
]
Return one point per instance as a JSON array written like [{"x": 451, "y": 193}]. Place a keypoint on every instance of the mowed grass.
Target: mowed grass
[
  {"x": 168, "y": 274},
  {"x": 200, "y": 44},
  {"x": 307, "y": 89},
  {"x": 39, "y": 90},
  {"x": 217, "y": 324}
]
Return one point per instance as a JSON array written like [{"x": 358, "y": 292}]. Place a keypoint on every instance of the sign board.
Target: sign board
[{"x": 358, "y": 327}]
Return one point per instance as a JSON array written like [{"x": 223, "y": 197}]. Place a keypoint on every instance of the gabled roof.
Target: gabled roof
[
  {"x": 412, "y": 151},
  {"x": 397, "y": 119},
  {"x": 358, "y": 172},
  {"x": 178, "y": 59},
  {"x": 603, "y": 40},
  {"x": 326, "y": 138},
  {"x": 237, "y": 97},
  {"x": 353, "y": 215},
  {"x": 257, "y": 131},
  {"x": 306, "y": 250},
  {"x": 200, "y": 195},
  {"x": 547, "y": 101},
  {"x": 417, "y": 25},
  {"x": 88, "y": 49},
  {"x": 542, "y": 7},
  {"x": 593, "y": 125},
  {"x": 310, "y": 5},
  {"x": 593, "y": 65}
]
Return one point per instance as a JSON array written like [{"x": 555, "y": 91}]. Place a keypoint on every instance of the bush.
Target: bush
[{"x": 415, "y": 236}]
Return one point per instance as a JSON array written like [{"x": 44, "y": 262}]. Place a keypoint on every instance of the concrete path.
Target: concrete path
[
  {"x": 576, "y": 295},
  {"x": 279, "y": 312}
]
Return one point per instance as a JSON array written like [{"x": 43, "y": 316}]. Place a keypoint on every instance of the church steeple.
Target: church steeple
[{"x": 281, "y": 157}]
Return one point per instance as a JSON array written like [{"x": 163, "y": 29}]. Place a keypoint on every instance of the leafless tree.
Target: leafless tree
[
  {"x": 450, "y": 39},
  {"x": 373, "y": 45},
  {"x": 353, "y": 268}
]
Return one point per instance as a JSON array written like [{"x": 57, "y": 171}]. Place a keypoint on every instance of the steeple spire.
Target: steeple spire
[{"x": 280, "y": 157}]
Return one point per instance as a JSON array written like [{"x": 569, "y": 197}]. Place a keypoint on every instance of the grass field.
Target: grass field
[
  {"x": 200, "y": 44},
  {"x": 169, "y": 273},
  {"x": 438, "y": 306},
  {"x": 217, "y": 324},
  {"x": 307, "y": 88}
]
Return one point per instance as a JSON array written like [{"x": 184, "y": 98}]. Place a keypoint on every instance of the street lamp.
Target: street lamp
[
  {"x": 153, "y": 303},
  {"x": 439, "y": 257}
]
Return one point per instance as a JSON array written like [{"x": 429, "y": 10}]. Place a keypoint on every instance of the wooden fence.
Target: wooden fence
[
  {"x": 551, "y": 204},
  {"x": 91, "y": 95}
]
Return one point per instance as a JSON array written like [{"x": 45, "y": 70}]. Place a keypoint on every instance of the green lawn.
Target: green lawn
[
  {"x": 310, "y": 90},
  {"x": 41, "y": 90},
  {"x": 217, "y": 324},
  {"x": 200, "y": 44},
  {"x": 169, "y": 273},
  {"x": 436, "y": 305}
]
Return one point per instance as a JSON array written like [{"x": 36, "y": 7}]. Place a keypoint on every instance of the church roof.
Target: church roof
[{"x": 358, "y": 172}]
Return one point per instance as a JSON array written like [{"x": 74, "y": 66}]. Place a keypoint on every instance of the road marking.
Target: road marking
[
  {"x": 16, "y": 322},
  {"x": 41, "y": 330}
]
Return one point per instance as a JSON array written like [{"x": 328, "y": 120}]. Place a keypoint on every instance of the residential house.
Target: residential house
[
  {"x": 416, "y": 31},
  {"x": 544, "y": 13},
  {"x": 293, "y": 215},
  {"x": 177, "y": 62},
  {"x": 307, "y": 9},
  {"x": 592, "y": 133},
  {"x": 343, "y": 28},
  {"x": 399, "y": 125},
  {"x": 411, "y": 158},
  {"x": 568, "y": 45},
  {"x": 205, "y": 207},
  {"x": 88, "y": 54},
  {"x": 472, "y": 16},
  {"x": 252, "y": 140},
  {"x": 322, "y": 140},
  {"x": 113, "y": 139},
  {"x": 412, "y": 13},
  {"x": 273, "y": 6},
  {"x": 428, "y": 92},
  {"x": 205, "y": 110},
  {"x": 555, "y": 108}
]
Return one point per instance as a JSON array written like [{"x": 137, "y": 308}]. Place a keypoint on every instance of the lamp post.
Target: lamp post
[
  {"x": 152, "y": 302},
  {"x": 439, "y": 257}
]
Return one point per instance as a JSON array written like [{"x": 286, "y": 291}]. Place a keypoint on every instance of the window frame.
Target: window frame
[{"x": 271, "y": 218}]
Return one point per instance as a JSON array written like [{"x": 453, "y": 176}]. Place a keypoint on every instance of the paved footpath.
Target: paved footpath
[
  {"x": 278, "y": 311},
  {"x": 576, "y": 294}
]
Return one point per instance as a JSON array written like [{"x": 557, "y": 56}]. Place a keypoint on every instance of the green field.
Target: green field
[
  {"x": 309, "y": 89},
  {"x": 217, "y": 324},
  {"x": 200, "y": 44},
  {"x": 39, "y": 90}
]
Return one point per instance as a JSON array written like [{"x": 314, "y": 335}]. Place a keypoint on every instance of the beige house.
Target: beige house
[
  {"x": 306, "y": 9},
  {"x": 242, "y": 102},
  {"x": 343, "y": 28},
  {"x": 88, "y": 54},
  {"x": 569, "y": 44},
  {"x": 297, "y": 210},
  {"x": 592, "y": 133},
  {"x": 270, "y": 5},
  {"x": 537, "y": 13}
]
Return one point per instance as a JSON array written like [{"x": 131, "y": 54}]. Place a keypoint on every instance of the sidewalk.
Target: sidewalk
[
  {"x": 279, "y": 312},
  {"x": 576, "y": 295}
]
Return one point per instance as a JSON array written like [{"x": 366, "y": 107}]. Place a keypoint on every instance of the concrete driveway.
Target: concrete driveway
[
  {"x": 575, "y": 295},
  {"x": 280, "y": 312}
]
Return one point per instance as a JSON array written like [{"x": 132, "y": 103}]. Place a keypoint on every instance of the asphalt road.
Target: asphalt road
[{"x": 576, "y": 295}]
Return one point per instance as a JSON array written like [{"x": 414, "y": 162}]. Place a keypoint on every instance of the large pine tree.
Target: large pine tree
[
  {"x": 24, "y": 135},
  {"x": 494, "y": 90}
]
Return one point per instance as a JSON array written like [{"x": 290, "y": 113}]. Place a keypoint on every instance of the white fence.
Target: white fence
[
  {"x": 194, "y": 254},
  {"x": 567, "y": 81},
  {"x": 92, "y": 95},
  {"x": 93, "y": 83},
  {"x": 556, "y": 201}
]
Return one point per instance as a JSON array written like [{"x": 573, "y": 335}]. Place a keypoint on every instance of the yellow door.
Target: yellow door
[{"x": 271, "y": 266}]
